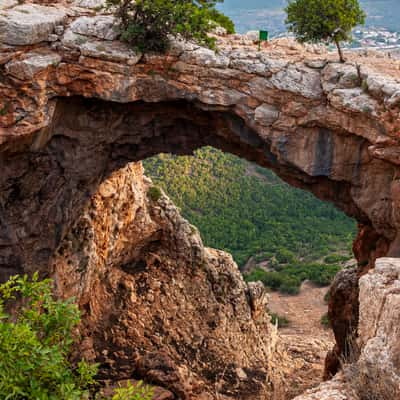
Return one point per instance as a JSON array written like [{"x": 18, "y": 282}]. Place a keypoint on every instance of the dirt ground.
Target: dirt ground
[{"x": 305, "y": 339}]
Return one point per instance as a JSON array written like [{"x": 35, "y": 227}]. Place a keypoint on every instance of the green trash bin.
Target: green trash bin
[{"x": 263, "y": 37}]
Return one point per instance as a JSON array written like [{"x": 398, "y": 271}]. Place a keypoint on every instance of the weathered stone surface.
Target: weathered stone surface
[
  {"x": 4, "y": 4},
  {"x": 32, "y": 64},
  {"x": 159, "y": 305},
  {"x": 322, "y": 126},
  {"x": 29, "y": 23},
  {"x": 336, "y": 389},
  {"x": 266, "y": 114},
  {"x": 101, "y": 27},
  {"x": 375, "y": 373},
  {"x": 93, "y": 4},
  {"x": 105, "y": 50}
]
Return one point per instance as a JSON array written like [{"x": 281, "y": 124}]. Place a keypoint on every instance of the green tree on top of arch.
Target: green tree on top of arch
[{"x": 329, "y": 21}]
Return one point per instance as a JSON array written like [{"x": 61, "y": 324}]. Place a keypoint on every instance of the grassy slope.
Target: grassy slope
[{"x": 247, "y": 210}]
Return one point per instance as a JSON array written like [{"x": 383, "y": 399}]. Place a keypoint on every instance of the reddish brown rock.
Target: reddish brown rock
[
  {"x": 75, "y": 106},
  {"x": 159, "y": 306}
]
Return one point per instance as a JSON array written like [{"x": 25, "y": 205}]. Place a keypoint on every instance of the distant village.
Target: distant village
[{"x": 375, "y": 37}]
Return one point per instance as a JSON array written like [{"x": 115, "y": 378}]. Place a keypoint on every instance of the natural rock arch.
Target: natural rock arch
[
  {"x": 74, "y": 112},
  {"x": 88, "y": 139}
]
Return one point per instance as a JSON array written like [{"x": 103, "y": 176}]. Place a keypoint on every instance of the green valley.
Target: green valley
[{"x": 249, "y": 212}]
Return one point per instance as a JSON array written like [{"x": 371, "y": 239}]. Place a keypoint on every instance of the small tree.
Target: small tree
[
  {"x": 35, "y": 342},
  {"x": 324, "y": 20},
  {"x": 147, "y": 25},
  {"x": 36, "y": 339}
]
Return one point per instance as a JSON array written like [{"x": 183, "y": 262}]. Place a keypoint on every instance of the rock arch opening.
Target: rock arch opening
[{"x": 45, "y": 190}]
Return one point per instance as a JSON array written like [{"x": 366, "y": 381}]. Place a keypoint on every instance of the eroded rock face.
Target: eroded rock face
[
  {"x": 76, "y": 105},
  {"x": 371, "y": 367},
  {"x": 159, "y": 306}
]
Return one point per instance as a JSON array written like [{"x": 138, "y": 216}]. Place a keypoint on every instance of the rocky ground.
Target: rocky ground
[{"x": 305, "y": 339}]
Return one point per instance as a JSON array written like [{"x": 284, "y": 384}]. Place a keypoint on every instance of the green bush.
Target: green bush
[
  {"x": 325, "y": 322},
  {"x": 35, "y": 341},
  {"x": 285, "y": 256},
  {"x": 335, "y": 258},
  {"x": 281, "y": 320},
  {"x": 289, "y": 277},
  {"x": 134, "y": 392},
  {"x": 147, "y": 25},
  {"x": 327, "y": 296},
  {"x": 154, "y": 193}
]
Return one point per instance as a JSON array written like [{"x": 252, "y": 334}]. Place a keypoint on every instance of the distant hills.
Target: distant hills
[{"x": 248, "y": 211}]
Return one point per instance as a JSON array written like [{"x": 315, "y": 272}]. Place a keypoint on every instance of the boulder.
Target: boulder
[
  {"x": 29, "y": 23},
  {"x": 32, "y": 64},
  {"x": 101, "y": 27}
]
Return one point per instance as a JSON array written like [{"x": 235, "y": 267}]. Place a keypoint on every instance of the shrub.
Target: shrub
[
  {"x": 327, "y": 296},
  {"x": 281, "y": 320},
  {"x": 134, "y": 392},
  {"x": 325, "y": 322},
  {"x": 147, "y": 25},
  {"x": 285, "y": 256},
  {"x": 335, "y": 258},
  {"x": 35, "y": 341},
  {"x": 288, "y": 278},
  {"x": 154, "y": 193}
]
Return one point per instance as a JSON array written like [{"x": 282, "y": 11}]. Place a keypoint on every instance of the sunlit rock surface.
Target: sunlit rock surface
[
  {"x": 159, "y": 306},
  {"x": 76, "y": 105}
]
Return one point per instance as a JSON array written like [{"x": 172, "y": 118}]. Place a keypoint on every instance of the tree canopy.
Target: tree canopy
[
  {"x": 148, "y": 25},
  {"x": 324, "y": 20}
]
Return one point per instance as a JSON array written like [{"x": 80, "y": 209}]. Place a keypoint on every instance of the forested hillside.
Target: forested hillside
[{"x": 248, "y": 211}]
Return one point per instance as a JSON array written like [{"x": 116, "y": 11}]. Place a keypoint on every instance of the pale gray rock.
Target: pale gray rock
[
  {"x": 316, "y": 64},
  {"x": 340, "y": 76},
  {"x": 251, "y": 67},
  {"x": 336, "y": 389},
  {"x": 29, "y": 23},
  {"x": 106, "y": 50},
  {"x": 32, "y": 65},
  {"x": 206, "y": 57},
  {"x": 266, "y": 114},
  {"x": 7, "y": 4},
  {"x": 100, "y": 26},
  {"x": 253, "y": 35},
  {"x": 353, "y": 99},
  {"x": 93, "y": 4},
  {"x": 300, "y": 80},
  {"x": 177, "y": 46}
]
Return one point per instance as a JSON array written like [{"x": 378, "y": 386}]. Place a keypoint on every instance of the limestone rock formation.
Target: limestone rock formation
[
  {"x": 159, "y": 306},
  {"x": 371, "y": 368},
  {"x": 76, "y": 105}
]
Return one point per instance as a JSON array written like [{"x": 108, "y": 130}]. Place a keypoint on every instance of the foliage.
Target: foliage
[
  {"x": 325, "y": 322},
  {"x": 35, "y": 341},
  {"x": 147, "y": 25},
  {"x": 154, "y": 193},
  {"x": 324, "y": 20},
  {"x": 289, "y": 278},
  {"x": 281, "y": 320},
  {"x": 248, "y": 211},
  {"x": 327, "y": 296},
  {"x": 134, "y": 392},
  {"x": 335, "y": 258},
  {"x": 222, "y": 20}
]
